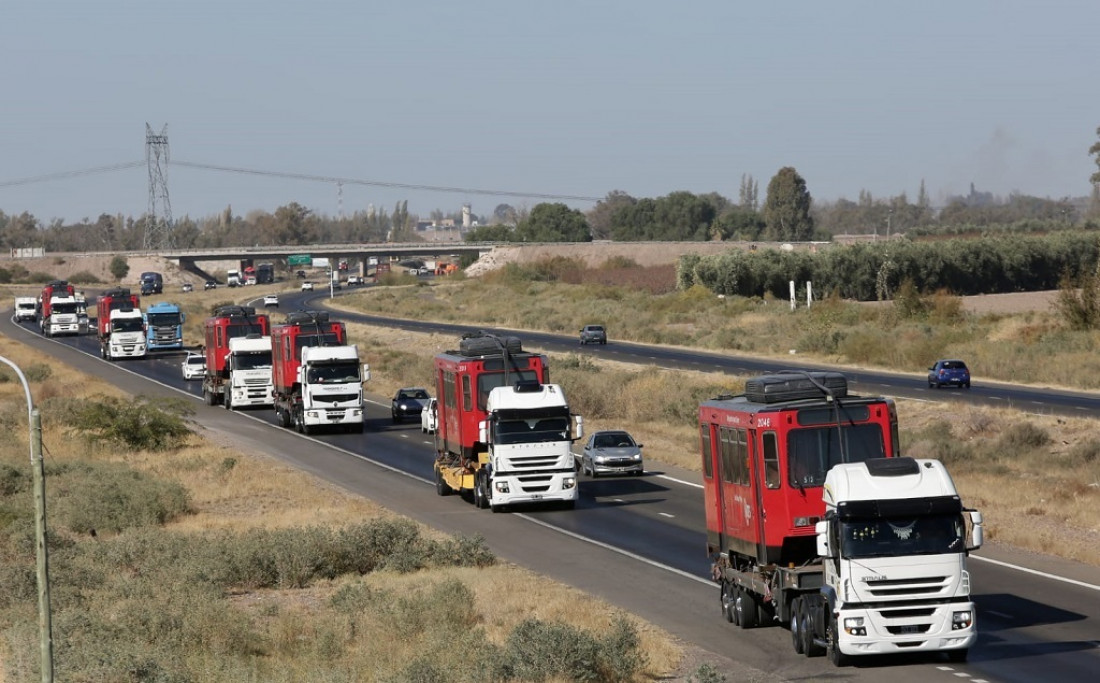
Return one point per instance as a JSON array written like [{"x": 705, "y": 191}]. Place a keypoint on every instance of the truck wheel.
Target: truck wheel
[
  {"x": 806, "y": 631},
  {"x": 227, "y": 401},
  {"x": 838, "y": 658},
  {"x": 744, "y": 606},
  {"x": 481, "y": 492},
  {"x": 207, "y": 397},
  {"x": 284, "y": 418},
  {"x": 726, "y": 602},
  {"x": 441, "y": 487},
  {"x": 796, "y": 626}
]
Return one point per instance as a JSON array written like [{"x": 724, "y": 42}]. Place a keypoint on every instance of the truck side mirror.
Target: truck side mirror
[
  {"x": 822, "y": 531},
  {"x": 579, "y": 434},
  {"x": 483, "y": 431},
  {"x": 366, "y": 372},
  {"x": 977, "y": 531}
]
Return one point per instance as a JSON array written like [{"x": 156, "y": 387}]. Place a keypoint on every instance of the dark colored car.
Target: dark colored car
[
  {"x": 209, "y": 284},
  {"x": 611, "y": 452},
  {"x": 593, "y": 334},
  {"x": 408, "y": 403},
  {"x": 949, "y": 372}
]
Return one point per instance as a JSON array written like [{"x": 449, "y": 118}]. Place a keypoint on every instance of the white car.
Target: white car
[
  {"x": 354, "y": 280},
  {"x": 429, "y": 418},
  {"x": 271, "y": 301},
  {"x": 307, "y": 286},
  {"x": 194, "y": 366}
]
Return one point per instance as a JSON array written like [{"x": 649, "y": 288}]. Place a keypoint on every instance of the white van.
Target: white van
[{"x": 25, "y": 308}]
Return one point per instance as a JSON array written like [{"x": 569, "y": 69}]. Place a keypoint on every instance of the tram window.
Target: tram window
[
  {"x": 771, "y": 461},
  {"x": 708, "y": 455}
]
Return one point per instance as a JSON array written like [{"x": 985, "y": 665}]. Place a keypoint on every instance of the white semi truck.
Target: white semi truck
[
  {"x": 249, "y": 364},
  {"x": 126, "y": 335}
]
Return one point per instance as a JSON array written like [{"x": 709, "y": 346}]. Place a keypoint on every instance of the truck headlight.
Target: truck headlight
[
  {"x": 961, "y": 620},
  {"x": 501, "y": 486},
  {"x": 854, "y": 626},
  {"x": 568, "y": 482}
]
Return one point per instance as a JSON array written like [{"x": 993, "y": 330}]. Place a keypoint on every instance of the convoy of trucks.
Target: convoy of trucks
[
  {"x": 120, "y": 326},
  {"x": 860, "y": 551},
  {"x": 164, "y": 326},
  {"x": 503, "y": 434},
  {"x": 317, "y": 375},
  {"x": 57, "y": 309},
  {"x": 229, "y": 323}
]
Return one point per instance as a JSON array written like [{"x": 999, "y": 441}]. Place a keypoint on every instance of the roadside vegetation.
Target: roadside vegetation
[
  {"x": 1055, "y": 505},
  {"x": 175, "y": 559}
]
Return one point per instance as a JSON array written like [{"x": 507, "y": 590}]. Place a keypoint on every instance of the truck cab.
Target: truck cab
[
  {"x": 249, "y": 365},
  {"x": 894, "y": 541},
  {"x": 25, "y": 308},
  {"x": 165, "y": 326},
  {"x": 126, "y": 338}
]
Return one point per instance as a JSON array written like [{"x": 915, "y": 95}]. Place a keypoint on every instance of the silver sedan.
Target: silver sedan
[{"x": 611, "y": 452}]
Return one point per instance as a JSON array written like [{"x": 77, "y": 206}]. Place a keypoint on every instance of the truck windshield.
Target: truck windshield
[
  {"x": 164, "y": 319},
  {"x": 243, "y": 330},
  {"x": 64, "y": 308},
  {"x": 337, "y": 373},
  {"x": 126, "y": 325},
  {"x": 252, "y": 361},
  {"x": 304, "y": 340},
  {"x": 812, "y": 452},
  {"x": 532, "y": 430},
  {"x": 491, "y": 380},
  {"x": 893, "y": 536}
]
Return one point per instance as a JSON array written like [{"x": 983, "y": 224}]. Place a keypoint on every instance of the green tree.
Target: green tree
[
  {"x": 294, "y": 224},
  {"x": 1095, "y": 151},
  {"x": 554, "y": 223},
  {"x": 497, "y": 232},
  {"x": 787, "y": 207},
  {"x": 600, "y": 216},
  {"x": 119, "y": 267}
]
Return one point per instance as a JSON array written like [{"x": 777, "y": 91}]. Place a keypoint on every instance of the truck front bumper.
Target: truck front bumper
[
  {"x": 543, "y": 487},
  {"x": 932, "y": 628},
  {"x": 127, "y": 350},
  {"x": 252, "y": 396},
  {"x": 332, "y": 416}
]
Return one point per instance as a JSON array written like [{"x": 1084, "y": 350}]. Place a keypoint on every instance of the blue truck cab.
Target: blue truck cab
[
  {"x": 151, "y": 283},
  {"x": 164, "y": 325}
]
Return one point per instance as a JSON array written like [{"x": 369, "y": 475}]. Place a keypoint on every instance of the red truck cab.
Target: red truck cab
[
  {"x": 227, "y": 323},
  {"x": 114, "y": 299}
]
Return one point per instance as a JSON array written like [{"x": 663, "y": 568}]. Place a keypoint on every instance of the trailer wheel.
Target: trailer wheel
[
  {"x": 838, "y": 658},
  {"x": 726, "y": 598},
  {"x": 796, "y": 626},
  {"x": 284, "y": 418},
  {"x": 744, "y": 605},
  {"x": 441, "y": 487}
]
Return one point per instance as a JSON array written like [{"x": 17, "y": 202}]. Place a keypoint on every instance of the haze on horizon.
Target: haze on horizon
[{"x": 566, "y": 98}]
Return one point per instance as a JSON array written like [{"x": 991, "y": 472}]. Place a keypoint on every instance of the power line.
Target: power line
[
  {"x": 70, "y": 174},
  {"x": 379, "y": 183}
]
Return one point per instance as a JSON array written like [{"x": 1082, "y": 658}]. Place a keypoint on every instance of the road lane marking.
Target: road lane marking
[
  {"x": 1036, "y": 572},
  {"x": 665, "y": 514}
]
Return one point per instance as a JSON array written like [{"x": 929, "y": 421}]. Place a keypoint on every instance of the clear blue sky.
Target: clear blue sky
[{"x": 565, "y": 97}]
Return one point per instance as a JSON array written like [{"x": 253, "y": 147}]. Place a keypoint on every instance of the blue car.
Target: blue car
[{"x": 949, "y": 373}]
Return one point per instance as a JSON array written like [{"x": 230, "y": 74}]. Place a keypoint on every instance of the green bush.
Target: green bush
[
  {"x": 110, "y": 498},
  {"x": 138, "y": 424},
  {"x": 1024, "y": 436},
  {"x": 84, "y": 278},
  {"x": 119, "y": 267}
]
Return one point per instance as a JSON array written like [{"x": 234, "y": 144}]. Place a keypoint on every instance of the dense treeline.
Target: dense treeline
[
  {"x": 787, "y": 213},
  {"x": 875, "y": 270}
]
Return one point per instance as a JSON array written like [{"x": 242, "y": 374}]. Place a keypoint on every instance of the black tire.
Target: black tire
[
  {"x": 726, "y": 600},
  {"x": 796, "y": 626},
  {"x": 958, "y": 656},
  {"x": 966, "y": 386},
  {"x": 806, "y": 631},
  {"x": 744, "y": 605},
  {"x": 838, "y": 658},
  {"x": 227, "y": 401},
  {"x": 207, "y": 397},
  {"x": 441, "y": 487},
  {"x": 481, "y": 492},
  {"x": 396, "y": 420}
]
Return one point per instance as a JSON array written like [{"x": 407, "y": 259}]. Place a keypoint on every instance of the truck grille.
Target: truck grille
[
  {"x": 335, "y": 398},
  {"x": 535, "y": 483},
  {"x": 534, "y": 462},
  {"x": 898, "y": 588},
  {"x": 256, "y": 381},
  {"x": 165, "y": 334}
]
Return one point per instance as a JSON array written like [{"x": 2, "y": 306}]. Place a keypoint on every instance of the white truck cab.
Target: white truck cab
[{"x": 26, "y": 308}]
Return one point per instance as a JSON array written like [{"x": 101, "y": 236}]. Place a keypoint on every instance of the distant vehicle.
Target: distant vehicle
[
  {"x": 271, "y": 300},
  {"x": 611, "y": 452},
  {"x": 408, "y": 402},
  {"x": 209, "y": 284},
  {"x": 307, "y": 286},
  {"x": 25, "y": 308},
  {"x": 187, "y": 287},
  {"x": 194, "y": 366},
  {"x": 429, "y": 418},
  {"x": 151, "y": 283},
  {"x": 233, "y": 277},
  {"x": 950, "y": 372},
  {"x": 354, "y": 280},
  {"x": 301, "y": 274},
  {"x": 593, "y": 334}
]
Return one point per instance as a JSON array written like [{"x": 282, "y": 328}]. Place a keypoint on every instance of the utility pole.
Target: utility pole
[
  {"x": 45, "y": 625},
  {"x": 159, "y": 215}
]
